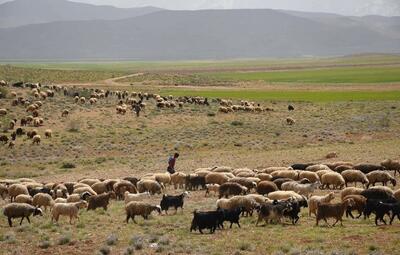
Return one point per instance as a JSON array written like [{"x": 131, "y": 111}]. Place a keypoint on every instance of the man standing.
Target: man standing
[{"x": 171, "y": 163}]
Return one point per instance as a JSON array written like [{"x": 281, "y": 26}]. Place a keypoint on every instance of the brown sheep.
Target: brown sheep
[
  {"x": 216, "y": 178},
  {"x": 380, "y": 176},
  {"x": 335, "y": 211},
  {"x": 231, "y": 189},
  {"x": 265, "y": 187},
  {"x": 101, "y": 200},
  {"x": 359, "y": 205},
  {"x": 354, "y": 176}
]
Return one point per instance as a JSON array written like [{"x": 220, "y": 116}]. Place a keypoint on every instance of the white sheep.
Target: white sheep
[
  {"x": 17, "y": 189},
  {"x": 284, "y": 195},
  {"x": 212, "y": 187},
  {"x": 350, "y": 191},
  {"x": 27, "y": 199},
  {"x": 43, "y": 199},
  {"x": 129, "y": 197},
  {"x": 334, "y": 179},
  {"x": 36, "y": 139},
  {"x": 68, "y": 209}
]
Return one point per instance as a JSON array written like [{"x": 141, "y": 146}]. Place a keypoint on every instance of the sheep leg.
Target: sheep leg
[
  {"x": 28, "y": 220},
  {"x": 392, "y": 218},
  {"x": 9, "y": 221},
  {"x": 237, "y": 224},
  {"x": 335, "y": 222},
  {"x": 376, "y": 220},
  {"x": 21, "y": 220},
  {"x": 327, "y": 222}
]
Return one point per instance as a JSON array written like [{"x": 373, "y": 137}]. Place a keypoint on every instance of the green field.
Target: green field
[
  {"x": 332, "y": 75},
  {"x": 309, "y": 96}
]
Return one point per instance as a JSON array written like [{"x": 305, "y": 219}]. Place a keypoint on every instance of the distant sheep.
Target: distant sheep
[
  {"x": 27, "y": 199},
  {"x": 48, "y": 133},
  {"x": 151, "y": 186},
  {"x": 216, "y": 178},
  {"x": 36, "y": 139}
]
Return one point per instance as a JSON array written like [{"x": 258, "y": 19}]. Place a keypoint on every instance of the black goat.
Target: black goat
[
  {"x": 232, "y": 216},
  {"x": 206, "y": 220},
  {"x": 172, "y": 201},
  {"x": 194, "y": 182}
]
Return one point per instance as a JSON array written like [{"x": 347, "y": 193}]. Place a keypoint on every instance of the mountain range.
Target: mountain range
[{"x": 105, "y": 32}]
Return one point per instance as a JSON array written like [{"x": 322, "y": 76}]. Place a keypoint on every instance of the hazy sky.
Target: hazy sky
[{"x": 346, "y": 7}]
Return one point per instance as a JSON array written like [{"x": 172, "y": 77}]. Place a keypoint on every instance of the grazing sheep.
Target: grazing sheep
[
  {"x": 290, "y": 121},
  {"x": 27, "y": 199},
  {"x": 350, "y": 191},
  {"x": 68, "y": 209},
  {"x": 36, "y": 139},
  {"x": 315, "y": 200},
  {"x": 212, "y": 187},
  {"x": 380, "y": 176},
  {"x": 383, "y": 188},
  {"x": 354, "y": 176},
  {"x": 17, "y": 189},
  {"x": 294, "y": 175},
  {"x": 43, "y": 199},
  {"x": 231, "y": 189},
  {"x": 259, "y": 198},
  {"x": 48, "y": 133},
  {"x": 216, "y": 178},
  {"x": 163, "y": 178},
  {"x": 311, "y": 176},
  {"x": 335, "y": 211},
  {"x": 178, "y": 179},
  {"x": 359, "y": 205},
  {"x": 265, "y": 187},
  {"x": 64, "y": 113},
  {"x": 140, "y": 208},
  {"x": 334, "y": 179},
  {"x": 320, "y": 173},
  {"x": 284, "y": 195},
  {"x": 101, "y": 200},
  {"x": 149, "y": 185},
  {"x": 367, "y": 168},
  {"x": 78, "y": 197},
  {"x": 129, "y": 197},
  {"x": 121, "y": 186},
  {"x": 390, "y": 164},
  {"x": 193, "y": 182},
  {"x": 318, "y": 167},
  {"x": 16, "y": 210},
  {"x": 279, "y": 181}
]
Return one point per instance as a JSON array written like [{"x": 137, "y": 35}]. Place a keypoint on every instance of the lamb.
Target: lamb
[
  {"x": 27, "y": 199},
  {"x": 36, "y": 139},
  {"x": 178, "y": 179},
  {"x": 216, "y": 178},
  {"x": 140, "y": 208},
  {"x": 350, "y": 191},
  {"x": 231, "y": 188},
  {"x": 335, "y": 211},
  {"x": 311, "y": 176},
  {"x": 69, "y": 209},
  {"x": 16, "y": 210},
  {"x": 359, "y": 204},
  {"x": 265, "y": 187},
  {"x": 315, "y": 200},
  {"x": 212, "y": 187},
  {"x": 129, "y": 197},
  {"x": 48, "y": 133},
  {"x": 17, "y": 189},
  {"x": 173, "y": 201},
  {"x": 354, "y": 176},
  {"x": 101, "y": 200},
  {"x": 334, "y": 179},
  {"x": 43, "y": 199},
  {"x": 380, "y": 176},
  {"x": 149, "y": 185},
  {"x": 283, "y": 195}
]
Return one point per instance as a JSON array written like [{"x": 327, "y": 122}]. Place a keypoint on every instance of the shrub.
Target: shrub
[
  {"x": 137, "y": 242},
  {"x": 3, "y": 92},
  {"x": 211, "y": 114},
  {"x": 236, "y": 123},
  {"x": 112, "y": 239},
  {"x": 74, "y": 125},
  {"x": 65, "y": 239},
  {"x": 68, "y": 165},
  {"x": 105, "y": 250},
  {"x": 128, "y": 251},
  {"x": 44, "y": 244}
]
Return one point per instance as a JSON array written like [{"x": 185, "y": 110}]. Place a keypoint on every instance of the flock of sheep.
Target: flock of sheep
[{"x": 274, "y": 193}]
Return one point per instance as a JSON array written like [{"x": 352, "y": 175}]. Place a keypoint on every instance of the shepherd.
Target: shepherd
[{"x": 171, "y": 163}]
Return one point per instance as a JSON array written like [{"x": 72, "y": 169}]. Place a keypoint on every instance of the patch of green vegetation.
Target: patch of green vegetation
[{"x": 308, "y": 96}]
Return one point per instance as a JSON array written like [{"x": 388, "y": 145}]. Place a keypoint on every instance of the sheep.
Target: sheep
[
  {"x": 99, "y": 187},
  {"x": 149, "y": 185},
  {"x": 216, "y": 178},
  {"x": 212, "y": 187},
  {"x": 354, "y": 176},
  {"x": 178, "y": 179},
  {"x": 380, "y": 176},
  {"x": 82, "y": 100},
  {"x": 248, "y": 183},
  {"x": 342, "y": 168},
  {"x": 377, "y": 194},
  {"x": 391, "y": 165},
  {"x": 294, "y": 175},
  {"x": 305, "y": 189},
  {"x": 320, "y": 173},
  {"x": 334, "y": 179},
  {"x": 17, "y": 189},
  {"x": 335, "y": 211},
  {"x": 78, "y": 197},
  {"x": 60, "y": 200},
  {"x": 27, "y": 199},
  {"x": 64, "y": 113},
  {"x": 129, "y": 197},
  {"x": 36, "y": 139},
  {"x": 259, "y": 198},
  {"x": 202, "y": 171},
  {"x": 350, "y": 191},
  {"x": 173, "y": 201},
  {"x": 209, "y": 219},
  {"x": 101, "y": 200},
  {"x": 264, "y": 177},
  {"x": 383, "y": 188},
  {"x": 43, "y": 199},
  {"x": 283, "y": 195},
  {"x": 121, "y": 186},
  {"x": 88, "y": 181},
  {"x": 312, "y": 176},
  {"x": 265, "y": 187},
  {"x": 272, "y": 212},
  {"x": 359, "y": 204},
  {"x": 3, "y": 191},
  {"x": 140, "y": 208},
  {"x": 16, "y": 210},
  {"x": 396, "y": 194},
  {"x": 3, "y": 112},
  {"x": 272, "y": 169},
  {"x": 249, "y": 204},
  {"x": 193, "y": 182},
  {"x": 318, "y": 167},
  {"x": 82, "y": 190},
  {"x": 290, "y": 121},
  {"x": 4, "y": 139},
  {"x": 48, "y": 133},
  {"x": 367, "y": 168},
  {"x": 231, "y": 188},
  {"x": 68, "y": 209},
  {"x": 163, "y": 178},
  {"x": 315, "y": 200}
]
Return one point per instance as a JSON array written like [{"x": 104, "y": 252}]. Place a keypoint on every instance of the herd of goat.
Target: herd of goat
[{"x": 274, "y": 193}]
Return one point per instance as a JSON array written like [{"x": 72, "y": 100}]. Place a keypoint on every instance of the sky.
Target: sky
[{"x": 344, "y": 7}]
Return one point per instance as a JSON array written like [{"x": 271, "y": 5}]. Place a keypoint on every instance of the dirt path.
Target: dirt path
[{"x": 113, "y": 81}]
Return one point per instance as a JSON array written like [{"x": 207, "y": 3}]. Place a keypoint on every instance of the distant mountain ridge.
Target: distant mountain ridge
[
  {"x": 206, "y": 34},
  {"x": 26, "y": 12}
]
